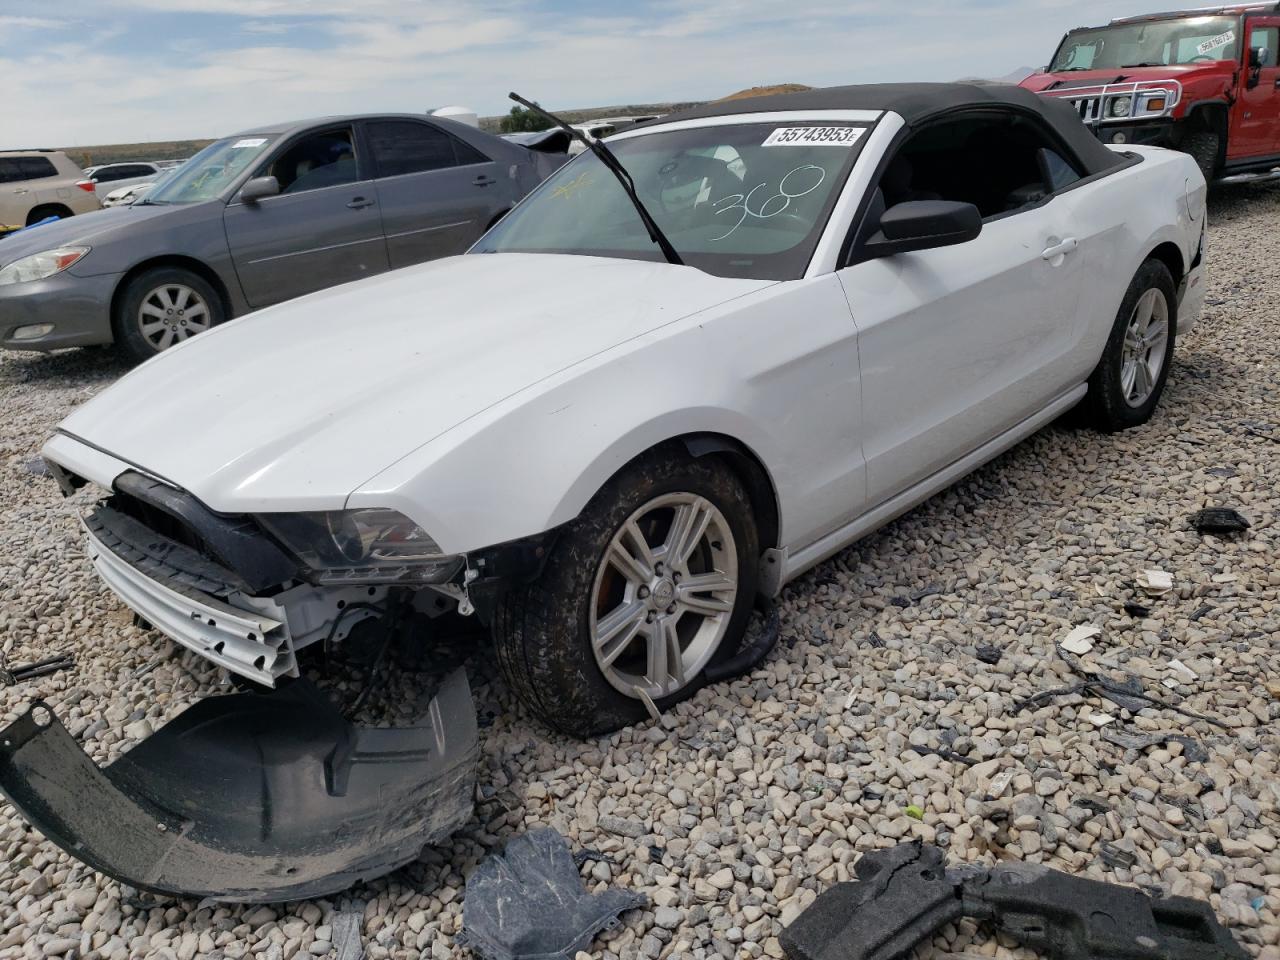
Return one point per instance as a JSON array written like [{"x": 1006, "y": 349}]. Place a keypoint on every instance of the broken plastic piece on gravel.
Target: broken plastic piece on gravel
[
  {"x": 1155, "y": 583},
  {"x": 1115, "y": 857},
  {"x": 1218, "y": 520},
  {"x": 1080, "y": 640},
  {"x": 1183, "y": 671},
  {"x": 903, "y": 895},
  {"x": 1137, "y": 610},
  {"x": 1192, "y": 749},
  {"x": 251, "y": 797},
  {"x": 529, "y": 902},
  {"x": 346, "y": 926}
]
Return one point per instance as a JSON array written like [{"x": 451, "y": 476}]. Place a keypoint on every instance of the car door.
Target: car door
[
  {"x": 959, "y": 344},
  {"x": 437, "y": 193},
  {"x": 1256, "y": 113},
  {"x": 322, "y": 229}
]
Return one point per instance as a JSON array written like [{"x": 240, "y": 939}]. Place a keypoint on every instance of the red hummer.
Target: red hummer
[{"x": 1205, "y": 82}]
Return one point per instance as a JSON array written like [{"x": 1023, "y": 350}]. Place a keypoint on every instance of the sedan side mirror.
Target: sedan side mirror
[
  {"x": 259, "y": 188},
  {"x": 923, "y": 225}
]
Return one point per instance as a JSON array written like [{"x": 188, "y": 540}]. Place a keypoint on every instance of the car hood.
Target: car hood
[
  {"x": 87, "y": 229},
  {"x": 296, "y": 406},
  {"x": 1183, "y": 73}
]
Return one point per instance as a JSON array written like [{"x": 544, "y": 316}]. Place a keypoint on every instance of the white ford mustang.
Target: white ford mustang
[{"x": 608, "y": 452}]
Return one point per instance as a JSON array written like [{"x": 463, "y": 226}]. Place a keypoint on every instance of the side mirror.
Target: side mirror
[
  {"x": 924, "y": 225},
  {"x": 259, "y": 188}
]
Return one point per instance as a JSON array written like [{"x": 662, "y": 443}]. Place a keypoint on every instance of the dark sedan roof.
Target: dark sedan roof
[
  {"x": 918, "y": 103},
  {"x": 295, "y": 125}
]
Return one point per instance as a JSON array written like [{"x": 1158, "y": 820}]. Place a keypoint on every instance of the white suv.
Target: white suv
[{"x": 37, "y": 184}]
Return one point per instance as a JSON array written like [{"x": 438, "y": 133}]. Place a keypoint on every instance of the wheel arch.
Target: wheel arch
[
  {"x": 1167, "y": 252},
  {"x": 61, "y": 209},
  {"x": 198, "y": 267}
]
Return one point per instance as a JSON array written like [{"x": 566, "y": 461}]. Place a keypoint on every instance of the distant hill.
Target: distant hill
[
  {"x": 126, "y": 152},
  {"x": 769, "y": 91}
]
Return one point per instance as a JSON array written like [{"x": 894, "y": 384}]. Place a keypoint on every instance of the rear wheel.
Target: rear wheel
[
  {"x": 46, "y": 211},
  {"x": 163, "y": 307},
  {"x": 1129, "y": 379},
  {"x": 652, "y": 584},
  {"x": 1203, "y": 147}
]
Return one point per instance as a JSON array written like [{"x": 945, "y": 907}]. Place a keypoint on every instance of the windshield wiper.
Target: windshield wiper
[
  {"x": 1131, "y": 66},
  {"x": 605, "y": 156}
]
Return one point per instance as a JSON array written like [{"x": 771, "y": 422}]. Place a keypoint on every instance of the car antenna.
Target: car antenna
[{"x": 605, "y": 156}]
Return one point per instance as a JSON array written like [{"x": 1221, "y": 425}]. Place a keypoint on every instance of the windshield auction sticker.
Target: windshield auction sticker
[
  {"x": 246, "y": 144},
  {"x": 814, "y": 137},
  {"x": 1213, "y": 44}
]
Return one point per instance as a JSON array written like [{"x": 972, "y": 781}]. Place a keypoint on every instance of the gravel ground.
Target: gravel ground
[{"x": 740, "y": 806}]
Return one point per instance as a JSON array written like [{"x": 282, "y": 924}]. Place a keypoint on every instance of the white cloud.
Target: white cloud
[
  {"x": 407, "y": 54},
  {"x": 8, "y": 22}
]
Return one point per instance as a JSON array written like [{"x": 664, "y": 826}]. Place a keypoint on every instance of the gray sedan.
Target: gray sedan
[{"x": 256, "y": 219}]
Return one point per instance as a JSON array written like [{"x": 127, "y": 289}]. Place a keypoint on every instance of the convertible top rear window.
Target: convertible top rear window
[{"x": 740, "y": 200}]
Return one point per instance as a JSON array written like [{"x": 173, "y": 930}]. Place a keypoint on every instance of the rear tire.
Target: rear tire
[
  {"x": 1126, "y": 386},
  {"x": 162, "y": 307},
  {"x": 571, "y": 642},
  {"x": 48, "y": 210},
  {"x": 1204, "y": 147}
]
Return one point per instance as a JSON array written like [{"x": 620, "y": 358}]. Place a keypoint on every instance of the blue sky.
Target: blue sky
[{"x": 115, "y": 71}]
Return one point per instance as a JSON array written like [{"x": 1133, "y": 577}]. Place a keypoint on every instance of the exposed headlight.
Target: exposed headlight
[
  {"x": 1120, "y": 106},
  {"x": 362, "y": 546},
  {"x": 39, "y": 266}
]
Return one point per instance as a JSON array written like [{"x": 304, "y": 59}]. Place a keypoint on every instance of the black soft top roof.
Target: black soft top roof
[{"x": 918, "y": 103}]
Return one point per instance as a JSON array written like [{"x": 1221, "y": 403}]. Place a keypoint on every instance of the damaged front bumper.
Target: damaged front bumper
[{"x": 251, "y": 797}]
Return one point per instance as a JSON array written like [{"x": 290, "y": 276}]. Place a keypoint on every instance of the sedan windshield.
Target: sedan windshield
[
  {"x": 1156, "y": 43},
  {"x": 211, "y": 171},
  {"x": 742, "y": 200}
]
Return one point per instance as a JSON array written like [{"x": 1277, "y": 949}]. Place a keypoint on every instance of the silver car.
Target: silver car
[{"x": 258, "y": 218}]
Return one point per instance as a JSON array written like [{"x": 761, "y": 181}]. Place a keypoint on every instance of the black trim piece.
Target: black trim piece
[
  {"x": 235, "y": 543},
  {"x": 904, "y": 894}
]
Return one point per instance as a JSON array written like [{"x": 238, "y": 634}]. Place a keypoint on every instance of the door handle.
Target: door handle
[
  {"x": 360, "y": 203},
  {"x": 1060, "y": 249},
  {"x": 484, "y": 180},
  {"x": 21, "y": 190}
]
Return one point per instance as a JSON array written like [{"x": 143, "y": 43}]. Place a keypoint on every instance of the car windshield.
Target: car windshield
[
  {"x": 739, "y": 200},
  {"x": 1155, "y": 43},
  {"x": 211, "y": 171}
]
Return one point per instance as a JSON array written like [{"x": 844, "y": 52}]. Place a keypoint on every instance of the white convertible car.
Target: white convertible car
[{"x": 607, "y": 439}]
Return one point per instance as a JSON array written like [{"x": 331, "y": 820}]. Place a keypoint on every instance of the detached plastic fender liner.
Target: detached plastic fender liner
[
  {"x": 251, "y": 797},
  {"x": 904, "y": 895}
]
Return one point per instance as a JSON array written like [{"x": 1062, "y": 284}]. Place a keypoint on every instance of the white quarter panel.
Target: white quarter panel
[
  {"x": 776, "y": 370},
  {"x": 960, "y": 343}
]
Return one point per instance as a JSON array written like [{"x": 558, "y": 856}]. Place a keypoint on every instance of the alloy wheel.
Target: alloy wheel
[
  {"x": 1146, "y": 341},
  {"x": 664, "y": 595},
  {"x": 171, "y": 313}
]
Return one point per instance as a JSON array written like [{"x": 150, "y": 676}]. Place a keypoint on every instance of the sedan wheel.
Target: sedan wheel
[
  {"x": 664, "y": 594},
  {"x": 1145, "y": 341},
  {"x": 651, "y": 585},
  {"x": 163, "y": 307},
  {"x": 171, "y": 313},
  {"x": 1130, "y": 376}
]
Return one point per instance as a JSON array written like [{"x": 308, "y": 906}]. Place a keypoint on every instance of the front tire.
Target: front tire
[
  {"x": 163, "y": 307},
  {"x": 1203, "y": 147},
  {"x": 649, "y": 586},
  {"x": 1127, "y": 383}
]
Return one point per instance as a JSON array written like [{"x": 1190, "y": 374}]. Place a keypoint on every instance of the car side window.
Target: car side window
[
  {"x": 1266, "y": 39},
  {"x": 112, "y": 174},
  {"x": 999, "y": 163},
  {"x": 316, "y": 161},
  {"x": 9, "y": 170},
  {"x": 35, "y": 168},
  {"x": 409, "y": 146}
]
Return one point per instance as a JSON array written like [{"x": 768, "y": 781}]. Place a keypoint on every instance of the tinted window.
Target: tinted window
[
  {"x": 112, "y": 174},
  {"x": 406, "y": 146},
  {"x": 467, "y": 154},
  {"x": 34, "y": 168},
  {"x": 320, "y": 160},
  {"x": 9, "y": 172}
]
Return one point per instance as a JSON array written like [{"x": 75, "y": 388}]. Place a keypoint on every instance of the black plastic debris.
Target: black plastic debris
[
  {"x": 12, "y": 676},
  {"x": 988, "y": 654},
  {"x": 1116, "y": 857},
  {"x": 904, "y": 895},
  {"x": 251, "y": 797},
  {"x": 1192, "y": 748},
  {"x": 1137, "y": 610},
  {"x": 529, "y": 902},
  {"x": 1219, "y": 520}
]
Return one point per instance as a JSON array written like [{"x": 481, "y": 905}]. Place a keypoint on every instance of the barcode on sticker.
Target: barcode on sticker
[
  {"x": 814, "y": 137},
  {"x": 1219, "y": 41}
]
